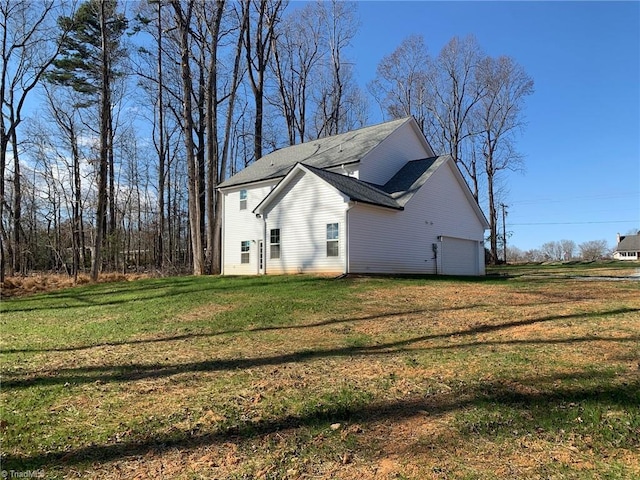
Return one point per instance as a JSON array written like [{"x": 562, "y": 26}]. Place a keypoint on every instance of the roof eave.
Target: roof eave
[{"x": 373, "y": 204}]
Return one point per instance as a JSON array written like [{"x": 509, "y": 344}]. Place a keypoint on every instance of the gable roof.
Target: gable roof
[
  {"x": 343, "y": 149},
  {"x": 629, "y": 243},
  {"x": 357, "y": 190},
  {"x": 394, "y": 194},
  {"x": 408, "y": 180}
]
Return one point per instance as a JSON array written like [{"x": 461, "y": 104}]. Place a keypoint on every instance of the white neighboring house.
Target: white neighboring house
[
  {"x": 374, "y": 200},
  {"x": 628, "y": 247}
]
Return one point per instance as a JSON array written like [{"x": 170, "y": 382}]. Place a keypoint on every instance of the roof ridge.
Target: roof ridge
[{"x": 326, "y": 152}]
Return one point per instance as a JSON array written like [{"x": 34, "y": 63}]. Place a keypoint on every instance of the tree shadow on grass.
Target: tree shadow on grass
[
  {"x": 536, "y": 404},
  {"x": 109, "y": 294},
  {"x": 134, "y": 372},
  {"x": 264, "y": 328}
]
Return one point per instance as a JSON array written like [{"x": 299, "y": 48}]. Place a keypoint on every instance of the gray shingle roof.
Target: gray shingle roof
[
  {"x": 395, "y": 193},
  {"x": 342, "y": 149},
  {"x": 357, "y": 190},
  {"x": 629, "y": 243},
  {"x": 404, "y": 184}
]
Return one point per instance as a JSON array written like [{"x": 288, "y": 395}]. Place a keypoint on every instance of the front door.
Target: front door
[{"x": 261, "y": 257}]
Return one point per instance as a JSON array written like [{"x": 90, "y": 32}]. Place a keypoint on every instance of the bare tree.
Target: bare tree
[
  {"x": 552, "y": 251},
  {"x": 27, "y": 52},
  {"x": 500, "y": 117},
  {"x": 219, "y": 166},
  {"x": 339, "y": 20},
  {"x": 454, "y": 92},
  {"x": 63, "y": 114},
  {"x": 183, "y": 17},
  {"x": 594, "y": 250},
  {"x": 568, "y": 248},
  {"x": 400, "y": 85},
  {"x": 90, "y": 53},
  {"x": 259, "y": 32},
  {"x": 297, "y": 51}
]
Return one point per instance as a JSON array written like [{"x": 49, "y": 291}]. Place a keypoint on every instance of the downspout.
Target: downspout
[{"x": 346, "y": 237}]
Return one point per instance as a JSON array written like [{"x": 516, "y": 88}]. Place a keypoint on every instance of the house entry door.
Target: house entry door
[{"x": 261, "y": 257}]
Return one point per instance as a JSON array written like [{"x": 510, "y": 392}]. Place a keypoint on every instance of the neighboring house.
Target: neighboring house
[
  {"x": 374, "y": 200},
  {"x": 628, "y": 247}
]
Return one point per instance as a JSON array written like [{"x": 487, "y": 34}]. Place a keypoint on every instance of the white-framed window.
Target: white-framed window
[
  {"x": 333, "y": 249},
  {"x": 274, "y": 240},
  {"x": 245, "y": 247},
  {"x": 243, "y": 199}
]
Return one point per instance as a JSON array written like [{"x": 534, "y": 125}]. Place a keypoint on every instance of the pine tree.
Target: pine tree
[{"x": 88, "y": 64}]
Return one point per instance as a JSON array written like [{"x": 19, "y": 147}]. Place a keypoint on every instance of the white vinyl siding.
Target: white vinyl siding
[
  {"x": 387, "y": 241},
  {"x": 384, "y": 161},
  {"x": 242, "y": 225},
  {"x": 302, "y": 212}
]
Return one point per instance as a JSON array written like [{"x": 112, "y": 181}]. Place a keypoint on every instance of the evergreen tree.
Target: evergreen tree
[{"x": 88, "y": 63}]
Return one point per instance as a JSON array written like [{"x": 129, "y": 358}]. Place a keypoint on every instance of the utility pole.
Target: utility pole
[{"x": 504, "y": 232}]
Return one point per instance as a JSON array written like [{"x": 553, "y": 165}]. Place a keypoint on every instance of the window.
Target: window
[
  {"x": 245, "y": 245},
  {"x": 332, "y": 240},
  {"x": 274, "y": 251},
  {"x": 243, "y": 199}
]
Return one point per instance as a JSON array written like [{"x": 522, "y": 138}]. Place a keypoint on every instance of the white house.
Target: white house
[
  {"x": 628, "y": 247},
  {"x": 374, "y": 200}
]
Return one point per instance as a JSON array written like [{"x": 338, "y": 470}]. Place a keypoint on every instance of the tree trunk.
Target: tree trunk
[
  {"x": 112, "y": 225},
  {"x": 161, "y": 151},
  {"x": 105, "y": 106},
  {"x": 77, "y": 211},
  {"x": 183, "y": 21},
  {"x": 493, "y": 215},
  {"x": 212, "y": 140},
  {"x": 17, "y": 206}
]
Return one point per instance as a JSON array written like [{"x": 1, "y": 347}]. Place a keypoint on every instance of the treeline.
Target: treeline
[
  {"x": 119, "y": 119},
  {"x": 562, "y": 250}
]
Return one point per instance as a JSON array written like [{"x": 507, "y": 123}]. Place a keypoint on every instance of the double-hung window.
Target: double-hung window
[
  {"x": 274, "y": 240},
  {"x": 332, "y": 240},
  {"x": 243, "y": 199},
  {"x": 245, "y": 245}
]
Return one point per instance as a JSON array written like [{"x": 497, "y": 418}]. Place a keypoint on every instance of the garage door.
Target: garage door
[{"x": 459, "y": 256}]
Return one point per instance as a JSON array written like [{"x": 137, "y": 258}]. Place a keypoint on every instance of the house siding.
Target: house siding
[
  {"x": 384, "y": 161},
  {"x": 242, "y": 225},
  {"x": 626, "y": 255},
  {"x": 301, "y": 212},
  {"x": 385, "y": 241}
]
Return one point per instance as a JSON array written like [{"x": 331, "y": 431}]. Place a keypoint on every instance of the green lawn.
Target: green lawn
[{"x": 305, "y": 377}]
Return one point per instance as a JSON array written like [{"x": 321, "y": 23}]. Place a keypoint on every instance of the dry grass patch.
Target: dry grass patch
[
  {"x": 360, "y": 378},
  {"x": 16, "y": 286}
]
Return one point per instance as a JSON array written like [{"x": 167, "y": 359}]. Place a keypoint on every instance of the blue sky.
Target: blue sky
[{"x": 582, "y": 140}]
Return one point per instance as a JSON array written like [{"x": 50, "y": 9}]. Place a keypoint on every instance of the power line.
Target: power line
[
  {"x": 575, "y": 223},
  {"x": 596, "y": 196}
]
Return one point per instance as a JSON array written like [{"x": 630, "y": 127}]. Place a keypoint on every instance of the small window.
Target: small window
[
  {"x": 332, "y": 240},
  {"x": 245, "y": 245},
  {"x": 243, "y": 199},
  {"x": 274, "y": 249}
]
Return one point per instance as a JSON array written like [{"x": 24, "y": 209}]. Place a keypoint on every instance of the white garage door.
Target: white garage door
[{"x": 459, "y": 256}]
